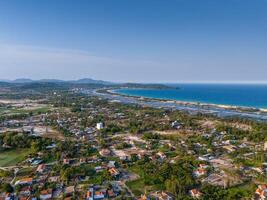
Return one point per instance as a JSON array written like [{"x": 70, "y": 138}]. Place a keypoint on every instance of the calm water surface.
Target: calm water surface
[{"x": 249, "y": 95}]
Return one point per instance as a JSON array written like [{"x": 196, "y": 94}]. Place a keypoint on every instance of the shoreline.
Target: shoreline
[
  {"x": 191, "y": 107},
  {"x": 195, "y": 103}
]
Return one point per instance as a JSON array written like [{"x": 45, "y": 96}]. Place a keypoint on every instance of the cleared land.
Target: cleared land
[
  {"x": 13, "y": 111},
  {"x": 12, "y": 157},
  {"x": 138, "y": 186}
]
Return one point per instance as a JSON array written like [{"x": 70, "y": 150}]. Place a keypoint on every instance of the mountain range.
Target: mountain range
[{"x": 80, "y": 81}]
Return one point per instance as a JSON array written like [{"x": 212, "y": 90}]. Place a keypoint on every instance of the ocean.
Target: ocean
[{"x": 247, "y": 95}]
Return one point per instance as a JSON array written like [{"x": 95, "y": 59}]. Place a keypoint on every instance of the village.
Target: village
[{"x": 71, "y": 146}]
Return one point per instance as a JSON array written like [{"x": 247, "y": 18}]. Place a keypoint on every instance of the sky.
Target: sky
[{"x": 134, "y": 41}]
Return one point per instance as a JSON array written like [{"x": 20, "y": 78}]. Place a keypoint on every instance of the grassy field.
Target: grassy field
[
  {"x": 13, "y": 111},
  {"x": 26, "y": 172},
  {"x": 12, "y": 157},
  {"x": 138, "y": 186}
]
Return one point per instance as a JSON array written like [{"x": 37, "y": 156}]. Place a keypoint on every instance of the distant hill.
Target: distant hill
[
  {"x": 80, "y": 81},
  {"x": 22, "y": 80},
  {"x": 25, "y": 83},
  {"x": 50, "y": 81},
  {"x": 89, "y": 81}
]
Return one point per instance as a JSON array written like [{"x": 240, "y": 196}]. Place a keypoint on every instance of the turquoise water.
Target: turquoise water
[{"x": 248, "y": 95}]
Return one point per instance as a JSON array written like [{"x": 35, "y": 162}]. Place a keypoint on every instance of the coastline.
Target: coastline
[
  {"x": 194, "y": 103},
  {"x": 191, "y": 107}
]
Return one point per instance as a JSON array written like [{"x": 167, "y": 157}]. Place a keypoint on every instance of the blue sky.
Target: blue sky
[{"x": 137, "y": 41}]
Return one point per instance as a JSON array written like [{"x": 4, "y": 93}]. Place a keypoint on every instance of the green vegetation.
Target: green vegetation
[
  {"x": 217, "y": 193},
  {"x": 137, "y": 187},
  {"x": 12, "y": 157},
  {"x": 6, "y": 188},
  {"x": 159, "y": 157},
  {"x": 15, "y": 111},
  {"x": 176, "y": 178}
]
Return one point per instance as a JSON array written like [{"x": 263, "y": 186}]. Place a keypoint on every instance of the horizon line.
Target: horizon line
[{"x": 141, "y": 82}]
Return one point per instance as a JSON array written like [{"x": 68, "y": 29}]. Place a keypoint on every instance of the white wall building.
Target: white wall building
[{"x": 99, "y": 125}]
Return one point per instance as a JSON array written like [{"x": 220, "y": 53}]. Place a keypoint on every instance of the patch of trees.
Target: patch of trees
[
  {"x": 16, "y": 140},
  {"x": 111, "y": 129},
  {"x": 175, "y": 178},
  {"x": 123, "y": 145},
  {"x": 151, "y": 136},
  {"x": 217, "y": 193},
  {"x": 257, "y": 134}
]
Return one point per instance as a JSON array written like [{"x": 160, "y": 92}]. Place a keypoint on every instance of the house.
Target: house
[
  {"x": 46, "y": 194},
  {"x": 99, "y": 125},
  {"x": 203, "y": 166},
  {"x": 161, "y": 195},
  {"x": 116, "y": 187},
  {"x": 176, "y": 125},
  {"x": 161, "y": 155},
  {"x": 122, "y": 154},
  {"x": 25, "y": 181},
  {"x": 5, "y": 146},
  {"x": 83, "y": 160},
  {"x": 98, "y": 169},
  {"x": 67, "y": 161},
  {"x": 257, "y": 169},
  {"x": 243, "y": 145},
  {"x": 114, "y": 172},
  {"x": 195, "y": 193},
  {"x": 41, "y": 168},
  {"x": 36, "y": 162},
  {"x": 199, "y": 172},
  {"x": 23, "y": 197},
  {"x": 28, "y": 129},
  {"x": 89, "y": 130},
  {"x": 69, "y": 190},
  {"x": 261, "y": 192},
  {"x": 229, "y": 148},
  {"x": 215, "y": 179},
  {"x": 53, "y": 179},
  {"x": 99, "y": 195},
  {"x": 93, "y": 194},
  {"x": 90, "y": 194},
  {"x": 25, "y": 190},
  {"x": 222, "y": 162},
  {"x": 52, "y": 146},
  {"x": 111, "y": 164},
  {"x": 8, "y": 196},
  {"x": 203, "y": 158},
  {"x": 111, "y": 193},
  {"x": 104, "y": 152},
  {"x": 143, "y": 197},
  {"x": 265, "y": 146}
]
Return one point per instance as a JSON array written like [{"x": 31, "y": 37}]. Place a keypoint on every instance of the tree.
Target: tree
[{"x": 7, "y": 188}]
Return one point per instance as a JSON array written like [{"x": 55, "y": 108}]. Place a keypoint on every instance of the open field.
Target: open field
[
  {"x": 14, "y": 111},
  {"x": 36, "y": 110},
  {"x": 181, "y": 133},
  {"x": 138, "y": 186},
  {"x": 12, "y": 157}
]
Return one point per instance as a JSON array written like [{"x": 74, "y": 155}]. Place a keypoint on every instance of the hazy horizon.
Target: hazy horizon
[
  {"x": 161, "y": 82},
  {"x": 153, "y": 41}
]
